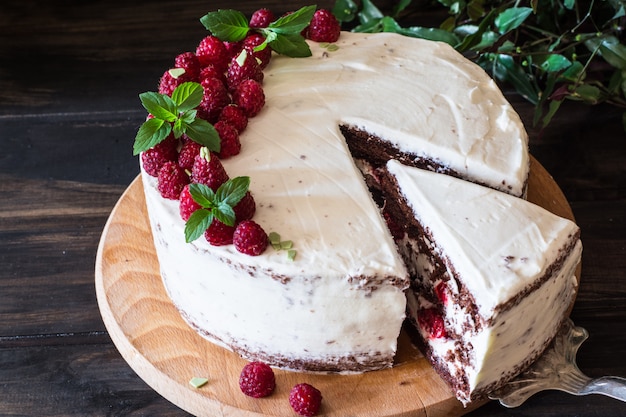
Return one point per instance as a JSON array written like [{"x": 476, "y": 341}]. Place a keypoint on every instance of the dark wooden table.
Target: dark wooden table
[{"x": 70, "y": 74}]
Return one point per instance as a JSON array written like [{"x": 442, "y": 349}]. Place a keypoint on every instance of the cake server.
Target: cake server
[{"x": 556, "y": 369}]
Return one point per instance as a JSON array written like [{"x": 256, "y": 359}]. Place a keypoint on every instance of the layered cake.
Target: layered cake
[
  {"x": 338, "y": 305},
  {"x": 493, "y": 275}
]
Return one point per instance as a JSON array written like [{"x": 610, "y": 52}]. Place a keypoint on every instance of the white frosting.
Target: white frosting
[
  {"x": 424, "y": 98},
  {"x": 498, "y": 246}
]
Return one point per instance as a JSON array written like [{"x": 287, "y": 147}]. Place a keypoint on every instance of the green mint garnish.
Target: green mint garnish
[
  {"x": 215, "y": 205},
  {"x": 175, "y": 114},
  {"x": 282, "y": 35}
]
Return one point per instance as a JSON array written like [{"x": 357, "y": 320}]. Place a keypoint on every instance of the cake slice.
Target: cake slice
[{"x": 493, "y": 275}]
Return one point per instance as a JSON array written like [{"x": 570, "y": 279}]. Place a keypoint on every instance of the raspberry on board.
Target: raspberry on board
[
  {"x": 305, "y": 399},
  {"x": 189, "y": 62},
  {"x": 257, "y": 380},
  {"x": 229, "y": 140},
  {"x": 235, "y": 117},
  {"x": 214, "y": 99},
  {"x": 245, "y": 209},
  {"x": 261, "y": 18},
  {"x": 211, "y": 51},
  {"x": 250, "y": 98},
  {"x": 188, "y": 153},
  {"x": 219, "y": 234},
  {"x": 250, "y": 238},
  {"x": 154, "y": 158},
  {"x": 208, "y": 170},
  {"x": 169, "y": 82},
  {"x": 243, "y": 67}
]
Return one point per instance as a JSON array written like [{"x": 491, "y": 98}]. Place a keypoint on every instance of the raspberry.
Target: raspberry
[
  {"x": 171, "y": 180},
  {"x": 305, "y": 399},
  {"x": 250, "y": 238},
  {"x": 229, "y": 139},
  {"x": 208, "y": 170},
  {"x": 324, "y": 27},
  {"x": 214, "y": 99},
  {"x": 168, "y": 82},
  {"x": 440, "y": 292},
  {"x": 431, "y": 321},
  {"x": 248, "y": 70},
  {"x": 211, "y": 51},
  {"x": 233, "y": 48},
  {"x": 188, "y": 154},
  {"x": 154, "y": 158},
  {"x": 244, "y": 210},
  {"x": 261, "y": 18},
  {"x": 235, "y": 117},
  {"x": 262, "y": 56},
  {"x": 249, "y": 96},
  {"x": 187, "y": 205},
  {"x": 219, "y": 234},
  {"x": 257, "y": 380},
  {"x": 211, "y": 71},
  {"x": 190, "y": 63}
]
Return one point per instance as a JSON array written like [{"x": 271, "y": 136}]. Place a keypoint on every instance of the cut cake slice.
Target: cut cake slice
[{"x": 493, "y": 275}]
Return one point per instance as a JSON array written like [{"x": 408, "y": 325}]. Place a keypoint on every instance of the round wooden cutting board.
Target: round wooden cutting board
[{"x": 166, "y": 353}]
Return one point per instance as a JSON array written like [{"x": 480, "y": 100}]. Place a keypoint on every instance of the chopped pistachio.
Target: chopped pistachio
[
  {"x": 198, "y": 382},
  {"x": 291, "y": 254}
]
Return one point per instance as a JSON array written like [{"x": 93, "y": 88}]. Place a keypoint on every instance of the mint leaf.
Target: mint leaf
[
  {"x": 512, "y": 18},
  {"x": 188, "y": 116},
  {"x": 187, "y": 96},
  {"x": 291, "y": 45},
  {"x": 159, "y": 106},
  {"x": 295, "y": 22},
  {"x": 225, "y": 213},
  {"x": 228, "y": 25},
  {"x": 151, "y": 132},
  {"x": 233, "y": 190},
  {"x": 202, "y": 194},
  {"x": 198, "y": 222},
  {"x": 204, "y": 133}
]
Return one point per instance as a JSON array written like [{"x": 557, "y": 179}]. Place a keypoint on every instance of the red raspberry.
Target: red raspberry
[
  {"x": 250, "y": 238},
  {"x": 235, "y": 117},
  {"x": 154, "y": 158},
  {"x": 233, "y": 48},
  {"x": 305, "y": 399},
  {"x": 211, "y": 71},
  {"x": 245, "y": 209},
  {"x": 229, "y": 140},
  {"x": 171, "y": 180},
  {"x": 431, "y": 321},
  {"x": 257, "y": 380},
  {"x": 208, "y": 170},
  {"x": 261, "y": 18},
  {"x": 249, "y": 96},
  {"x": 324, "y": 27},
  {"x": 441, "y": 292},
  {"x": 215, "y": 98},
  {"x": 248, "y": 70},
  {"x": 187, "y": 205},
  {"x": 188, "y": 154},
  {"x": 168, "y": 82},
  {"x": 264, "y": 55},
  {"x": 190, "y": 63},
  {"x": 211, "y": 51},
  {"x": 219, "y": 234}
]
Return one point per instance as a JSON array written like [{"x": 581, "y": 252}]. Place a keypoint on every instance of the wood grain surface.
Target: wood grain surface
[{"x": 167, "y": 353}]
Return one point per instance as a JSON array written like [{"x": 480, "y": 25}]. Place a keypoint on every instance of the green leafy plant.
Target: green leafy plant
[
  {"x": 175, "y": 114},
  {"x": 549, "y": 51},
  {"x": 283, "y": 35}
]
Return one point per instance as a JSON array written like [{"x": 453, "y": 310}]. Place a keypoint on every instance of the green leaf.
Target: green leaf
[
  {"x": 574, "y": 73},
  {"x": 569, "y": 4},
  {"x": 198, "y": 222},
  {"x": 293, "y": 23},
  {"x": 204, "y": 133},
  {"x": 228, "y": 25},
  {"x": 151, "y": 133},
  {"x": 294, "y": 46},
  {"x": 587, "y": 93},
  {"x": 369, "y": 13},
  {"x": 475, "y": 38},
  {"x": 203, "y": 195},
  {"x": 512, "y": 18},
  {"x": 553, "y": 63},
  {"x": 233, "y": 190},
  {"x": 613, "y": 52},
  {"x": 225, "y": 213},
  {"x": 506, "y": 69},
  {"x": 345, "y": 10},
  {"x": 187, "y": 96},
  {"x": 433, "y": 34},
  {"x": 552, "y": 108},
  {"x": 188, "y": 116},
  {"x": 159, "y": 105},
  {"x": 400, "y": 6}
]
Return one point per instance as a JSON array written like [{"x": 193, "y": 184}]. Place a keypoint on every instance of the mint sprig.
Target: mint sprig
[
  {"x": 215, "y": 205},
  {"x": 176, "y": 114},
  {"x": 283, "y": 35}
]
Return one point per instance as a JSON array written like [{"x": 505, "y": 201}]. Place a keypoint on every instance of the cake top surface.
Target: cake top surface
[
  {"x": 420, "y": 95},
  {"x": 498, "y": 244}
]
